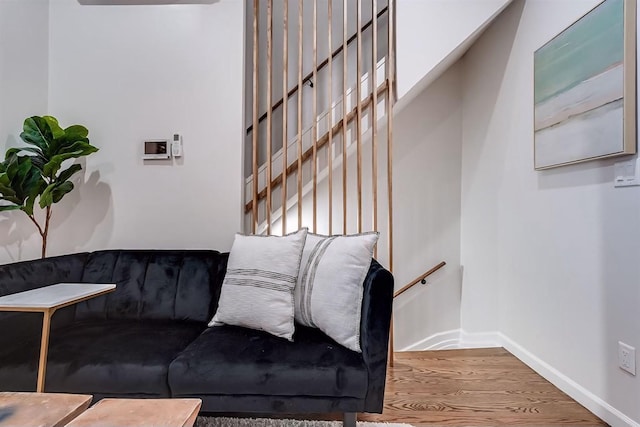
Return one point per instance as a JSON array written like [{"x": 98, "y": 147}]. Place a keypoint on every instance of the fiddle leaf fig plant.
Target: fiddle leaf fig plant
[{"x": 36, "y": 173}]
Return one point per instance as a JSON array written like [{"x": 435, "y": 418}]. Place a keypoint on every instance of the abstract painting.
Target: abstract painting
[{"x": 584, "y": 88}]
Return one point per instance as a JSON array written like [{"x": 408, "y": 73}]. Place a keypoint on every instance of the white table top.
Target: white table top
[{"x": 54, "y": 295}]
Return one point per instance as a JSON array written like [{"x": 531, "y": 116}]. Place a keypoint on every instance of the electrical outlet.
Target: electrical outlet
[{"x": 627, "y": 357}]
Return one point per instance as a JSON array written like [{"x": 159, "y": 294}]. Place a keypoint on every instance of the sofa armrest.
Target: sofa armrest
[
  {"x": 377, "y": 303},
  {"x": 15, "y": 327}
]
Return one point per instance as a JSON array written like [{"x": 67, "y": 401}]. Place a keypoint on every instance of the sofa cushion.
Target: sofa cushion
[
  {"x": 154, "y": 284},
  {"x": 230, "y": 360},
  {"x": 102, "y": 357}
]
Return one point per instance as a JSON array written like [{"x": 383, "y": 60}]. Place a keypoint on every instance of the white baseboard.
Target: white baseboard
[
  {"x": 458, "y": 338},
  {"x": 440, "y": 341},
  {"x": 577, "y": 392},
  {"x": 480, "y": 339}
]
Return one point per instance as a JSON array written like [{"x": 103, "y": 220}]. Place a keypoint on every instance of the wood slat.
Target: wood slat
[
  {"x": 345, "y": 69},
  {"x": 256, "y": 106},
  {"x": 299, "y": 152},
  {"x": 285, "y": 112},
  {"x": 314, "y": 117},
  {"x": 373, "y": 82},
  {"x": 359, "y": 112},
  {"x": 269, "y": 110},
  {"x": 389, "y": 100},
  {"x": 321, "y": 65},
  {"x": 330, "y": 118},
  {"x": 308, "y": 154}
]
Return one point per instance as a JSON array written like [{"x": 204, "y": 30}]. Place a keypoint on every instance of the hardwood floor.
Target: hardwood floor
[{"x": 478, "y": 387}]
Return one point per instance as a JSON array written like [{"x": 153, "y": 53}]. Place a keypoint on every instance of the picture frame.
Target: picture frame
[{"x": 585, "y": 88}]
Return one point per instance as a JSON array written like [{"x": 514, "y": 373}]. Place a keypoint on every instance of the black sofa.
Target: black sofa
[{"x": 149, "y": 338}]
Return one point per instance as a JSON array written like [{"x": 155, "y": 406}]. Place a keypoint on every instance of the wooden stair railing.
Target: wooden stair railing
[
  {"x": 419, "y": 279},
  {"x": 322, "y": 141},
  {"x": 270, "y": 174},
  {"x": 308, "y": 78}
]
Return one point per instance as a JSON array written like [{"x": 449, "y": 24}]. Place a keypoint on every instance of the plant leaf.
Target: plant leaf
[
  {"x": 54, "y": 193},
  {"x": 12, "y": 151},
  {"x": 77, "y": 131},
  {"x": 22, "y": 182},
  {"x": 4, "y": 208},
  {"x": 36, "y": 190},
  {"x": 67, "y": 173},
  {"x": 46, "y": 198},
  {"x": 56, "y": 130},
  {"x": 75, "y": 150},
  {"x": 62, "y": 189},
  {"x": 36, "y": 131}
]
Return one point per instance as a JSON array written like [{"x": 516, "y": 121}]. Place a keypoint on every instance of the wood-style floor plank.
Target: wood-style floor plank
[{"x": 475, "y": 387}]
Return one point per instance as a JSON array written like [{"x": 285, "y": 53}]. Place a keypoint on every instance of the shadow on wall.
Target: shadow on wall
[
  {"x": 84, "y": 215},
  {"x": 581, "y": 174},
  {"x": 142, "y": 2},
  {"x": 15, "y": 229}
]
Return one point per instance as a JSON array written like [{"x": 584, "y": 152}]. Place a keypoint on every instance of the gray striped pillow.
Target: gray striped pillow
[
  {"x": 328, "y": 295},
  {"x": 257, "y": 291}
]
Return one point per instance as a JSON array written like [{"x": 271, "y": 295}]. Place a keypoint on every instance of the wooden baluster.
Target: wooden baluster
[
  {"x": 285, "y": 112},
  {"x": 314, "y": 128},
  {"x": 330, "y": 118},
  {"x": 269, "y": 109},
  {"x": 345, "y": 67},
  {"x": 359, "y": 110},
  {"x": 299, "y": 172},
  {"x": 255, "y": 131},
  {"x": 373, "y": 80},
  {"x": 389, "y": 111}
]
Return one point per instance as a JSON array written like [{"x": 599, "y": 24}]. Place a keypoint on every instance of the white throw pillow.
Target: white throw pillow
[
  {"x": 257, "y": 291},
  {"x": 328, "y": 295}
]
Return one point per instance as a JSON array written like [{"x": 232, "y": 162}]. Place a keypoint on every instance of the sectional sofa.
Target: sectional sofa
[{"x": 149, "y": 338}]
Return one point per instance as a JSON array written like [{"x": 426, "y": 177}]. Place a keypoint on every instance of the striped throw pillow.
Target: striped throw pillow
[
  {"x": 328, "y": 295},
  {"x": 257, "y": 291}
]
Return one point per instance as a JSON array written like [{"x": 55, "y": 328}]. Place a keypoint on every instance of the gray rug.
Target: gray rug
[{"x": 267, "y": 422}]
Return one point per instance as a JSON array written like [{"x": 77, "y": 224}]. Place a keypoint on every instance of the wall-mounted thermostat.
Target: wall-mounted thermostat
[
  {"x": 156, "y": 150},
  {"x": 176, "y": 145},
  {"x": 627, "y": 173}
]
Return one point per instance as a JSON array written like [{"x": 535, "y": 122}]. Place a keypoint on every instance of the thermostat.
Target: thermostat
[{"x": 156, "y": 150}]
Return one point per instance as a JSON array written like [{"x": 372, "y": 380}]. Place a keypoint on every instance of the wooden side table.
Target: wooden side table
[
  {"x": 140, "y": 413},
  {"x": 47, "y": 300},
  {"x": 40, "y": 409}
]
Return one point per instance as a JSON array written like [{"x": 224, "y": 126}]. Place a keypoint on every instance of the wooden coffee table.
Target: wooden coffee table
[
  {"x": 140, "y": 413},
  {"x": 47, "y": 300},
  {"x": 40, "y": 409}
]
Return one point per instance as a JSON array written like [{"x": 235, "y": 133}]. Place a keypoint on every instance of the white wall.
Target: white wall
[
  {"x": 427, "y": 170},
  {"x": 551, "y": 259},
  {"x": 131, "y": 73},
  {"x": 432, "y": 34},
  {"x": 24, "y": 27}
]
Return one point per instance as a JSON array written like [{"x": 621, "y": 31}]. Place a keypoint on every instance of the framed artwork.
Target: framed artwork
[{"x": 585, "y": 88}]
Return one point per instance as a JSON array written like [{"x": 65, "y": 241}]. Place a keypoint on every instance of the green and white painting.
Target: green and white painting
[{"x": 579, "y": 90}]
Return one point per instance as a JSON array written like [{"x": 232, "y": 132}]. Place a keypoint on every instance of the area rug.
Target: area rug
[{"x": 267, "y": 422}]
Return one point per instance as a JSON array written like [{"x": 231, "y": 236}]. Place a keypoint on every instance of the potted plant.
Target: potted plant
[{"x": 36, "y": 173}]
